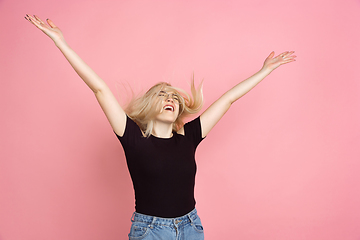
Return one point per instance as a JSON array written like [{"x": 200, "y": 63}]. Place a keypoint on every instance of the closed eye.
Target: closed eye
[
  {"x": 175, "y": 97},
  {"x": 162, "y": 94}
]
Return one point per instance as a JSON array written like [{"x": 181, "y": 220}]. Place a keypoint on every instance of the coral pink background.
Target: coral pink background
[{"x": 282, "y": 164}]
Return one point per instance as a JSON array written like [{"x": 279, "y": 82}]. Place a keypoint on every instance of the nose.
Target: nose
[{"x": 169, "y": 99}]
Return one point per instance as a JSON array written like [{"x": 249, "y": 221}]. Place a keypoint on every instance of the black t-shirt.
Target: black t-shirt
[{"x": 162, "y": 169}]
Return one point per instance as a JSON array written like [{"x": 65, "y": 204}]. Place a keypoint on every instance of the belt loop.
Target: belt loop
[
  {"x": 189, "y": 216},
  {"x": 133, "y": 215},
  {"x": 152, "y": 222}
]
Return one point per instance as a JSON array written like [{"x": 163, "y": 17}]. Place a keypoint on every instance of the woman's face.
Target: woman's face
[{"x": 170, "y": 104}]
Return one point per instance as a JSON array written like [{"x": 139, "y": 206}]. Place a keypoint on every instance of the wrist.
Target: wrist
[
  {"x": 61, "y": 43},
  {"x": 266, "y": 70}
]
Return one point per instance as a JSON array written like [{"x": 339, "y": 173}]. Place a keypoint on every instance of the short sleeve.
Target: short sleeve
[
  {"x": 193, "y": 131},
  {"x": 131, "y": 133}
]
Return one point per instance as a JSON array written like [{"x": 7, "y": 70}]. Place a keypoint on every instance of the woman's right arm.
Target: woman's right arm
[{"x": 111, "y": 107}]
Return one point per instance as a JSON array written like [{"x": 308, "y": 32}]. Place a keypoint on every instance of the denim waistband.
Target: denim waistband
[{"x": 152, "y": 220}]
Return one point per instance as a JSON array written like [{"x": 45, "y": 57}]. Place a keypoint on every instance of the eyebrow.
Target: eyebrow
[{"x": 162, "y": 91}]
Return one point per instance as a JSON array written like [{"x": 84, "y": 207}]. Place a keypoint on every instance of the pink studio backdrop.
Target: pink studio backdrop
[{"x": 282, "y": 164}]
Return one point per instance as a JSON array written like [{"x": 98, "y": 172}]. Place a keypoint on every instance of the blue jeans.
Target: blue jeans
[{"x": 187, "y": 227}]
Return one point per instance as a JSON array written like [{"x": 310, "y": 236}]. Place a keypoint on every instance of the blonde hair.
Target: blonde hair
[{"x": 144, "y": 109}]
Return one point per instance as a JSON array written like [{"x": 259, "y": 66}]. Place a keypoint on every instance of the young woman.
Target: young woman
[{"x": 159, "y": 148}]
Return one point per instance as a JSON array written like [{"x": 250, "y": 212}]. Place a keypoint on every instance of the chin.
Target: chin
[{"x": 169, "y": 118}]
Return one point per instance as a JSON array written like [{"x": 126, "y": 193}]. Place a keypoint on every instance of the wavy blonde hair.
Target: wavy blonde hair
[{"x": 145, "y": 108}]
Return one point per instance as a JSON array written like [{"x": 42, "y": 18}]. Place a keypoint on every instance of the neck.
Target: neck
[{"x": 162, "y": 129}]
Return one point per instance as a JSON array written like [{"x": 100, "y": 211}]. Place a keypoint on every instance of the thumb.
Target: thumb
[
  {"x": 50, "y": 23},
  {"x": 271, "y": 54}
]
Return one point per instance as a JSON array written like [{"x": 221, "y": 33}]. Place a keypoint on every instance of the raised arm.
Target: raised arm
[
  {"x": 214, "y": 113},
  {"x": 113, "y": 111}
]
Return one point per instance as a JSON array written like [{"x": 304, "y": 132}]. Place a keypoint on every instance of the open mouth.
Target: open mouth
[{"x": 169, "y": 108}]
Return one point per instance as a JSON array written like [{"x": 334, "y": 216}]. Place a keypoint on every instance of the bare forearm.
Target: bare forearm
[
  {"x": 94, "y": 82},
  {"x": 215, "y": 112},
  {"x": 270, "y": 64},
  {"x": 245, "y": 86}
]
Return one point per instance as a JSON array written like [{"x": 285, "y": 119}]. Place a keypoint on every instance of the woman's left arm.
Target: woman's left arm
[{"x": 214, "y": 113}]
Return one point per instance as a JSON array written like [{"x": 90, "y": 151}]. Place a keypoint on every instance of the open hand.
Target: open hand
[
  {"x": 49, "y": 29},
  {"x": 272, "y": 62}
]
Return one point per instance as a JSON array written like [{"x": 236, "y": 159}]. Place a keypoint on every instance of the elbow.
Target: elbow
[{"x": 100, "y": 88}]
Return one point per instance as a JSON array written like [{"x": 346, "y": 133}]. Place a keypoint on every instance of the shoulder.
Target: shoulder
[
  {"x": 131, "y": 128},
  {"x": 191, "y": 127}
]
